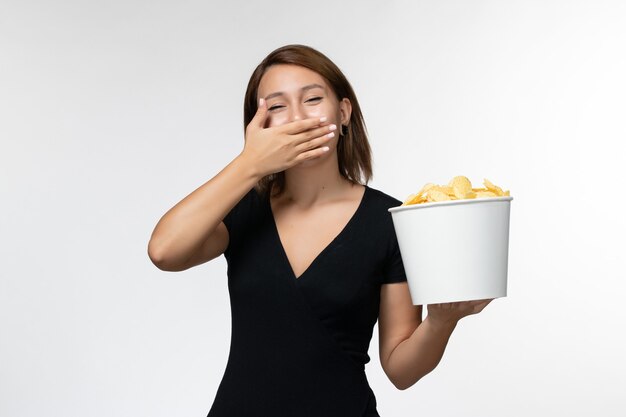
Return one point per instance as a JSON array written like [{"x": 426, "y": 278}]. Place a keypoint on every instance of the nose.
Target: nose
[{"x": 297, "y": 113}]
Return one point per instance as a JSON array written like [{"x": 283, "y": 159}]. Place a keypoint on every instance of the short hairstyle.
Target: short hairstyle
[{"x": 353, "y": 150}]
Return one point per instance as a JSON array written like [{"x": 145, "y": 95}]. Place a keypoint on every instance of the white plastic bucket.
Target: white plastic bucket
[{"x": 454, "y": 250}]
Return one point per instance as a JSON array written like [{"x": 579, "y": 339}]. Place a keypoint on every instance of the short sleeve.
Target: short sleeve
[
  {"x": 237, "y": 217},
  {"x": 234, "y": 216},
  {"x": 393, "y": 270}
]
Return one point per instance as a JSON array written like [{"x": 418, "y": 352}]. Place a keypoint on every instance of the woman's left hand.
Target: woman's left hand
[{"x": 451, "y": 313}]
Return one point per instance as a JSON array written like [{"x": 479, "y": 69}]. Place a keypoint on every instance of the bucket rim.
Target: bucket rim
[{"x": 449, "y": 203}]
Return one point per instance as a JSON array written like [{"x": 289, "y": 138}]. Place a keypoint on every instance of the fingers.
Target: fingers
[
  {"x": 300, "y": 126},
  {"x": 464, "y": 307},
  {"x": 261, "y": 114},
  {"x": 316, "y": 141},
  {"x": 312, "y": 154},
  {"x": 323, "y": 133},
  {"x": 480, "y": 305}
]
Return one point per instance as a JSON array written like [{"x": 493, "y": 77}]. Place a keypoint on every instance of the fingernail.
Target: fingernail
[
  {"x": 260, "y": 102},
  {"x": 325, "y": 148},
  {"x": 332, "y": 127},
  {"x": 323, "y": 119}
]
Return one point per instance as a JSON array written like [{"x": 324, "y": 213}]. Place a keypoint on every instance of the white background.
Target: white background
[{"x": 111, "y": 112}]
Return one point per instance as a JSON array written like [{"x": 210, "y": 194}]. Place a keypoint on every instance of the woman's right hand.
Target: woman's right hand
[{"x": 278, "y": 148}]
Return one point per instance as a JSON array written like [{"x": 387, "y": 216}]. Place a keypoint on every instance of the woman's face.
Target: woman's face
[{"x": 295, "y": 93}]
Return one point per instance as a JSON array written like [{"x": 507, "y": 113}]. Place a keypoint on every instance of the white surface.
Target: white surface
[
  {"x": 111, "y": 112},
  {"x": 454, "y": 250}
]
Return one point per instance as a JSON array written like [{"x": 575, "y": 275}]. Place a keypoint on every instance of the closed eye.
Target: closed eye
[{"x": 311, "y": 99}]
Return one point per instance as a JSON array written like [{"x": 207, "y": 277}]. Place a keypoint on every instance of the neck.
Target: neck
[{"x": 314, "y": 182}]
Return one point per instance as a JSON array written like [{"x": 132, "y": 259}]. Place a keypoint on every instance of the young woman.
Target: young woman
[{"x": 313, "y": 259}]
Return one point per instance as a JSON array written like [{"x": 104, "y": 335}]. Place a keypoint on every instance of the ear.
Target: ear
[{"x": 345, "y": 108}]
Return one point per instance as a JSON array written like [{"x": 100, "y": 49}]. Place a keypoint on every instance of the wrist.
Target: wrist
[{"x": 249, "y": 168}]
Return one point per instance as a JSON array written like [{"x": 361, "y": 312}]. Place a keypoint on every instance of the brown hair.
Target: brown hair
[{"x": 353, "y": 149}]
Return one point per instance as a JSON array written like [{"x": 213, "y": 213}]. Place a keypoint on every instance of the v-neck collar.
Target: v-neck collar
[{"x": 326, "y": 248}]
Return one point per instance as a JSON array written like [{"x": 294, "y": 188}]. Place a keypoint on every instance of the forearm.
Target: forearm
[
  {"x": 420, "y": 353},
  {"x": 184, "y": 228}
]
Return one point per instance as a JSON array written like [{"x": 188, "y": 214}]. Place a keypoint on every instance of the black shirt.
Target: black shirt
[{"x": 299, "y": 345}]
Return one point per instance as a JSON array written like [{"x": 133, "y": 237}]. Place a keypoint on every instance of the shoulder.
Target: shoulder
[
  {"x": 251, "y": 199},
  {"x": 246, "y": 206},
  {"x": 381, "y": 199},
  {"x": 382, "y": 231},
  {"x": 241, "y": 218},
  {"x": 377, "y": 215}
]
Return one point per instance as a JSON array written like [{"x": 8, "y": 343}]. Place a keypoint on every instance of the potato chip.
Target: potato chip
[
  {"x": 419, "y": 197},
  {"x": 461, "y": 185},
  {"x": 437, "y": 195},
  {"x": 414, "y": 199},
  {"x": 446, "y": 189},
  {"x": 459, "y": 188},
  {"x": 493, "y": 188}
]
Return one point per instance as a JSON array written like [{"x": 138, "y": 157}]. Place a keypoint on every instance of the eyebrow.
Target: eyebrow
[{"x": 306, "y": 87}]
